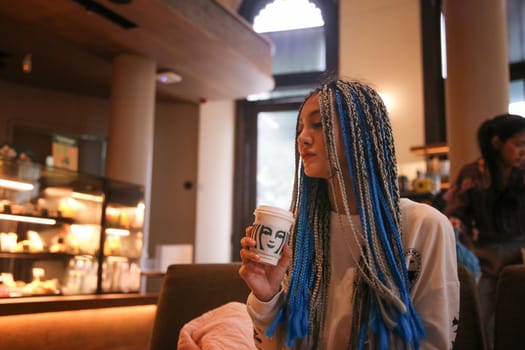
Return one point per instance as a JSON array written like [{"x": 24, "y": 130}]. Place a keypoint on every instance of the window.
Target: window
[
  {"x": 517, "y": 97},
  {"x": 275, "y": 157},
  {"x": 516, "y": 47},
  {"x": 516, "y": 30},
  {"x": 299, "y": 50}
]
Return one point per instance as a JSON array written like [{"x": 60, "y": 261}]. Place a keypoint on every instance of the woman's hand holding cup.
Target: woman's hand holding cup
[{"x": 263, "y": 279}]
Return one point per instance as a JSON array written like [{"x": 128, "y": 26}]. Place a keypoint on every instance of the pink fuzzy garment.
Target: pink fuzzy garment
[{"x": 224, "y": 328}]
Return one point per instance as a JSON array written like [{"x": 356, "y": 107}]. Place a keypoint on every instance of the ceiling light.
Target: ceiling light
[{"x": 168, "y": 77}]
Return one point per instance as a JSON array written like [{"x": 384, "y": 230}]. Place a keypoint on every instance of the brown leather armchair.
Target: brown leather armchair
[
  {"x": 189, "y": 290},
  {"x": 509, "y": 328},
  {"x": 470, "y": 331}
]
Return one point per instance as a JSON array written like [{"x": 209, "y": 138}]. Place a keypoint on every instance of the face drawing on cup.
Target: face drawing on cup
[{"x": 268, "y": 240}]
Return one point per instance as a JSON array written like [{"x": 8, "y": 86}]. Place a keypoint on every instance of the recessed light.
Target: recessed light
[{"x": 168, "y": 77}]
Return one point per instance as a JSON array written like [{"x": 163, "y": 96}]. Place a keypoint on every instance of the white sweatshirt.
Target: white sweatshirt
[{"x": 429, "y": 243}]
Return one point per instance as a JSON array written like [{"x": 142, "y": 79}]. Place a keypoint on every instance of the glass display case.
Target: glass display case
[{"x": 66, "y": 233}]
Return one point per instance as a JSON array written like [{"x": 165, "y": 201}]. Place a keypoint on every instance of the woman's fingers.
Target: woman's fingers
[
  {"x": 247, "y": 242},
  {"x": 251, "y": 265},
  {"x": 286, "y": 257},
  {"x": 247, "y": 254}
]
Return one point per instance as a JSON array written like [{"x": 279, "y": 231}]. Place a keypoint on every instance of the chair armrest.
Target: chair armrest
[{"x": 189, "y": 290}]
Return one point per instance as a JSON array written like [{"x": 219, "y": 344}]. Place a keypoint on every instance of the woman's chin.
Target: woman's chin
[{"x": 314, "y": 173}]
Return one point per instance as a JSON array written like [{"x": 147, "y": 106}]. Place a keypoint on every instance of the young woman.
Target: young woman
[
  {"x": 365, "y": 269},
  {"x": 487, "y": 200}
]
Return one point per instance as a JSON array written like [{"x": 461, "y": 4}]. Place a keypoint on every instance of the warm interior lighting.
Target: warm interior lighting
[
  {"x": 388, "y": 100},
  {"x": 114, "y": 258},
  {"x": 87, "y": 197},
  {"x": 57, "y": 192},
  {"x": 30, "y": 219},
  {"x": 139, "y": 214},
  {"x": 84, "y": 231},
  {"x": 430, "y": 149},
  {"x": 16, "y": 185},
  {"x": 117, "y": 232},
  {"x": 68, "y": 192},
  {"x": 27, "y": 63}
]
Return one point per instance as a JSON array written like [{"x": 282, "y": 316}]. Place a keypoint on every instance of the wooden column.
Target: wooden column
[
  {"x": 130, "y": 141},
  {"x": 477, "y": 83}
]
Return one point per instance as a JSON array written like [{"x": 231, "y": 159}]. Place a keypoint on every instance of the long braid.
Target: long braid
[
  {"x": 377, "y": 199},
  {"x": 382, "y": 307}
]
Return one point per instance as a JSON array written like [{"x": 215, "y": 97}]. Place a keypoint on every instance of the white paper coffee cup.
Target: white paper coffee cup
[{"x": 271, "y": 230}]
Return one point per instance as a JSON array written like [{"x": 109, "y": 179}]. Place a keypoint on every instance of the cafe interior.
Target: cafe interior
[{"x": 150, "y": 130}]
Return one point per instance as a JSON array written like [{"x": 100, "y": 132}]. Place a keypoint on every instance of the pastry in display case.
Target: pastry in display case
[{"x": 66, "y": 233}]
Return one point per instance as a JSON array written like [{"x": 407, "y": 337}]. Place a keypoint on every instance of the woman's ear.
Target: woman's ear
[{"x": 496, "y": 142}]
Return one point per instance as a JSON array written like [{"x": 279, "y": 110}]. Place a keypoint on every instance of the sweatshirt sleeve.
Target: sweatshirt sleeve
[
  {"x": 262, "y": 315},
  {"x": 433, "y": 273}
]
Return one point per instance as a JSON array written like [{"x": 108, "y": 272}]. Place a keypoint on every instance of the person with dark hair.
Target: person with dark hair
[
  {"x": 487, "y": 201},
  {"x": 365, "y": 269}
]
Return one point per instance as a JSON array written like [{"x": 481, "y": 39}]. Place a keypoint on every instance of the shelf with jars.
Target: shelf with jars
[
  {"x": 66, "y": 233},
  {"x": 434, "y": 179}
]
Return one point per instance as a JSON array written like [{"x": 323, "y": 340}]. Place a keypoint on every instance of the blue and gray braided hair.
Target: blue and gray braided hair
[{"x": 382, "y": 313}]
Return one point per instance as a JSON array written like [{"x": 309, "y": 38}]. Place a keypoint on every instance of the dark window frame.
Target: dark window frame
[
  {"x": 517, "y": 71},
  {"x": 433, "y": 82}
]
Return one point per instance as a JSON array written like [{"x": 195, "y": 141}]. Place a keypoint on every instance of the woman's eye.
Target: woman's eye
[{"x": 317, "y": 125}]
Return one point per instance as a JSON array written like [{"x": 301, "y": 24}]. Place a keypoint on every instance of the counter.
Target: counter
[
  {"x": 88, "y": 322},
  {"x": 31, "y": 305}
]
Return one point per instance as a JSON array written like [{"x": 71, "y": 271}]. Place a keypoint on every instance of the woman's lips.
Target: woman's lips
[{"x": 307, "y": 156}]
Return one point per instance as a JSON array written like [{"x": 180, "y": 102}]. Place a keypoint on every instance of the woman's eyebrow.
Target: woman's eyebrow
[{"x": 314, "y": 113}]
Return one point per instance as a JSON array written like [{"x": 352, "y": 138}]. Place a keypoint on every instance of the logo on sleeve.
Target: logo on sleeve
[{"x": 413, "y": 258}]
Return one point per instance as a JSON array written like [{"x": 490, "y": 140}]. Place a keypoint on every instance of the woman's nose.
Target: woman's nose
[{"x": 304, "y": 139}]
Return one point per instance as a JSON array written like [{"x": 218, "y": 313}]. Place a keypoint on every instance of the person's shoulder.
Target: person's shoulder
[
  {"x": 425, "y": 225},
  {"x": 421, "y": 214},
  {"x": 473, "y": 168},
  {"x": 411, "y": 208}
]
